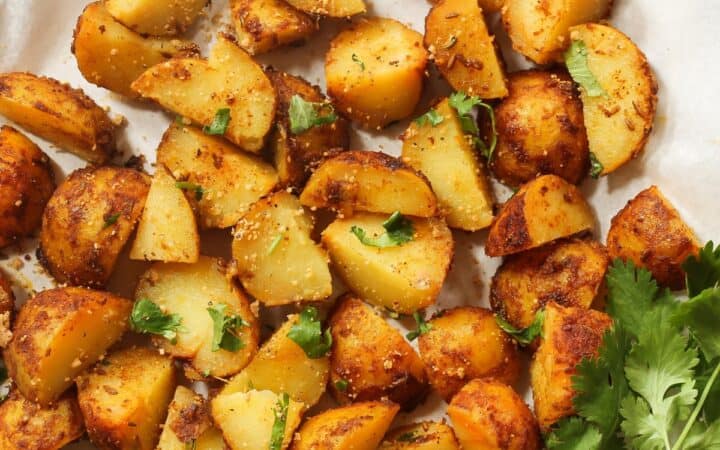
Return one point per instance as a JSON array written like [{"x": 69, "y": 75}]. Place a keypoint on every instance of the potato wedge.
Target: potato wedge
[
  {"x": 124, "y": 400},
  {"x": 332, "y": 8},
  {"x": 226, "y": 181},
  {"x": 188, "y": 418},
  {"x": 650, "y": 232},
  {"x": 370, "y": 360},
  {"x": 211, "y": 439},
  {"x": 87, "y": 222},
  {"x": 488, "y": 414},
  {"x": 421, "y": 436},
  {"x": 365, "y": 65},
  {"x": 156, "y": 17},
  {"x": 543, "y": 210},
  {"x": 54, "y": 111},
  {"x": 539, "y": 29},
  {"x": 369, "y": 181},
  {"x": 403, "y": 278},
  {"x": 464, "y": 52},
  {"x": 58, "y": 334},
  {"x": 112, "y": 56},
  {"x": 619, "y": 123},
  {"x": 189, "y": 290},
  {"x": 27, "y": 425},
  {"x": 167, "y": 230},
  {"x": 201, "y": 90},
  {"x": 264, "y": 25},
  {"x": 450, "y": 162}
]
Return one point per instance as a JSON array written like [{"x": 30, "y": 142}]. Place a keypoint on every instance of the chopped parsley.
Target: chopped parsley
[
  {"x": 305, "y": 115},
  {"x": 191, "y": 444},
  {"x": 357, "y": 61},
  {"x": 111, "y": 220},
  {"x": 277, "y": 435},
  {"x": 464, "y": 106},
  {"x": 432, "y": 117},
  {"x": 219, "y": 124},
  {"x": 274, "y": 243},
  {"x": 341, "y": 385},
  {"x": 422, "y": 327},
  {"x": 596, "y": 166},
  {"x": 398, "y": 231},
  {"x": 410, "y": 436},
  {"x": 577, "y": 65},
  {"x": 188, "y": 186},
  {"x": 147, "y": 317},
  {"x": 225, "y": 329},
  {"x": 308, "y": 334},
  {"x": 527, "y": 335}
]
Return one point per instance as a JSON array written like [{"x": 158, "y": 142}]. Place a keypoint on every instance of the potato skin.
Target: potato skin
[
  {"x": 421, "y": 436},
  {"x": 540, "y": 129},
  {"x": 187, "y": 419},
  {"x": 78, "y": 244},
  {"x": 650, "y": 232},
  {"x": 160, "y": 18},
  {"x": 264, "y": 25}
]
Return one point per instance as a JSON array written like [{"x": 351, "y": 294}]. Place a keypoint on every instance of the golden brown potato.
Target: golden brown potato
[
  {"x": 618, "y": 123},
  {"x": 487, "y": 414},
  {"x": 156, "y": 17},
  {"x": 58, "y": 334},
  {"x": 421, "y": 436},
  {"x": 568, "y": 335},
  {"x": 25, "y": 425},
  {"x": 404, "y": 278},
  {"x": 369, "y": 181},
  {"x": 87, "y": 221},
  {"x": 223, "y": 182},
  {"x": 112, "y": 56},
  {"x": 491, "y": 6},
  {"x": 538, "y": 29},
  {"x": 366, "y": 66},
  {"x": 444, "y": 154},
  {"x": 359, "y": 426},
  {"x": 540, "y": 129},
  {"x": 54, "y": 111},
  {"x": 568, "y": 272},
  {"x": 7, "y": 310},
  {"x": 124, "y": 399},
  {"x": 463, "y": 50},
  {"x": 228, "y": 84},
  {"x": 26, "y": 184},
  {"x": 211, "y": 439},
  {"x": 264, "y": 25},
  {"x": 370, "y": 360},
  {"x": 188, "y": 418},
  {"x": 543, "y": 210},
  {"x": 297, "y": 155},
  {"x": 650, "y": 232},
  {"x": 332, "y": 8},
  {"x": 465, "y": 343}
]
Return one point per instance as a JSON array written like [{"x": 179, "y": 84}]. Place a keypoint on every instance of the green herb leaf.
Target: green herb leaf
[
  {"x": 219, "y": 124},
  {"x": 357, "y": 60},
  {"x": 308, "y": 334},
  {"x": 398, "y": 231},
  {"x": 147, "y": 317},
  {"x": 341, "y": 385},
  {"x": 464, "y": 105},
  {"x": 573, "y": 434},
  {"x": 191, "y": 444},
  {"x": 422, "y": 327},
  {"x": 523, "y": 336},
  {"x": 432, "y": 117},
  {"x": 703, "y": 437},
  {"x": 702, "y": 271},
  {"x": 410, "y": 436},
  {"x": 596, "y": 166},
  {"x": 305, "y": 115},
  {"x": 277, "y": 435},
  {"x": 577, "y": 65},
  {"x": 225, "y": 329},
  {"x": 700, "y": 314},
  {"x": 111, "y": 220},
  {"x": 188, "y": 186},
  {"x": 274, "y": 244}
]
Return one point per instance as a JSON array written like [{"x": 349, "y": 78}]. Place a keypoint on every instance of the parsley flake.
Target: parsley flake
[
  {"x": 219, "y": 124},
  {"x": 274, "y": 243},
  {"x": 341, "y": 385},
  {"x": 422, "y": 327},
  {"x": 464, "y": 106},
  {"x": 225, "y": 329},
  {"x": 111, "y": 220},
  {"x": 147, "y": 317},
  {"x": 277, "y": 435},
  {"x": 596, "y": 167},
  {"x": 398, "y": 231},
  {"x": 357, "y": 60},
  {"x": 432, "y": 117},
  {"x": 305, "y": 115},
  {"x": 410, "y": 436},
  {"x": 577, "y": 65},
  {"x": 308, "y": 334},
  {"x": 524, "y": 336},
  {"x": 188, "y": 186}
]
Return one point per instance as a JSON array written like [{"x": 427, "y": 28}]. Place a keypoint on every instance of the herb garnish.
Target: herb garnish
[
  {"x": 357, "y": 60},
  {"x": 577, "y": 65},
  {"x": 398, "y": 231},
  {"x": 341, "y": 385},
  {"x": 188, "y": 186},
  {"x": 147, "y": 317},
  {"x": 219, "y": 124},
  {"x": 225, "y": 329},
  {"x": 422, "y": 327},
  {"x": 111, "y": 220},
  {"x": 277, "y": 435},
  {"x": 527, "y": 335},
  {"x": 464, "y": 105},
  {"x": 274, "y": 243},
  {"x": 305, "y": 115},
  {"x": 308, "y": 334},
  {"x": 596, "y": 166},
  {"x": 410, "y": 436},
  {"x": 432, "y": 117}
]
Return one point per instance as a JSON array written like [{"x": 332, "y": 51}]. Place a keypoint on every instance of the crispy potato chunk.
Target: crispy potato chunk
[
  {"x": 369, "y": 181},
  {"x": 156, "y": 17},
  {"x": 87, "y": 222},
  {"x": 26, "y": 184},
  {"x": 568, "y": 272},
  {"x": 7, "y": 310},
  {"x": 229, "y": 181},
  {"x": 421, "y": 436},
  {"x": 27, "y": 425},
  {"x": 264, "y": 25},
  {"x": 466, "y": 343},
  {"x": 650, "y": 232},
  {"x": 538, "y": 29},
  {"x": 487, "y": 414},
  {"x": 188, "y": 290},
  {"x": 211, "y": 439},
  {"x": 464, "y": 52},
  {"x": 569, "y": 335},
  {"x": 359, "y": 426},
  {"x": 371, "y": 360},
  {"x": 619, "y": 123},
  {"x": 125, "y": 399},
  {"x": 404, "y": 278},
  {"x": 332, "y": 8},
  {"x": 200, "y": 89},
  {"x": 54, "y": 111},
  {"x": 188, "y": 418},
  {"x": 365, "y": 66},
  {"x": 443, "y": 153},
  {"x": 543, "y": 210},
  {"x": 58, "y": 334}
]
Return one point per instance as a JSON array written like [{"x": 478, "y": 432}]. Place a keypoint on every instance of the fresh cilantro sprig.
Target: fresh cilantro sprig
[
  {"x": 398, "y": 231},
  {"x": 189, "y": 186},
  {"x": 308, "y": 334},
  {"x": 277, "y": 435},
  {"x": 225, "y": 329},
  {"x": 422, "y": 327},
  {"x": 524, "y": 336},
  {"x": 464, "y": 106},
  {"x": 147, "y": 317},
  {"x": 431, "y": 117},
  {"x": 596, "y": 167},
  {"x": 703, "y": 271},
  {"x": 219, "y": 124},
  {"x": 577, "y": 65},
  {"x": 305, "y": 115}
]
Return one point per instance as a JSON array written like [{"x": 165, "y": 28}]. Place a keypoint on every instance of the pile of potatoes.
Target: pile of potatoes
[{"x": 304, "y": 213}]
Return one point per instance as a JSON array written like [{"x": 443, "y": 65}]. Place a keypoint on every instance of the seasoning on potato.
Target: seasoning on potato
[{"x": 264, "y": 25}]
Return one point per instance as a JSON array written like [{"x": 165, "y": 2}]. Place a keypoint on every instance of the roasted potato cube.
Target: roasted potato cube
[
  {"x": 369, "y": 181},
  {"x": 26, "y": 184},
  {"x": 487, "y": 414},
  {"x": 421, "y": 436},
  {"x": 650, "y": 232},
  {"x": 224, "y": 181},
  {"x": 464, "y": 52},
  {"x": 125, "y": 398},
  {"x": 7, "y": 307},
  {"x": 87, "y": 222},
  {"x": 54, "y": 111},
  {"x": 228, "y": 84},
  {"x": 619, "y": 123},
  {"x": 365, "y": 66},
  {"x": 404, "y": 278},
  {"x": 540, "y": 129},
  {"x": 188, "y": 418},
  {"x": 27, "y": 425},
  {"x": 569, "y": 335},
  {"x": 543, "y": 210},
  {"x": 297, "y": 155},
  {"x": 58, "y": 334},
  {"x": 264, "y": 25},
  {"x": 538, "y": 29},
  {"x": 156, "y": 17},
  {"x": 332, "y": 8},
  {"x": 189, "y": 290},
  {"x": 465, "y": 343},
  {"x": 443, "y": 153}
]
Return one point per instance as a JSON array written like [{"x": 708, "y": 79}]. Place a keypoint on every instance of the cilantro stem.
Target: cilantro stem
[{"x": 698, "y": 408}]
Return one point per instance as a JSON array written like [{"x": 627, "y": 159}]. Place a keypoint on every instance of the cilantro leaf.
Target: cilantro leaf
[
  {"x": 341, "y": 385},
  {"x": 356, "y": 59},
  {"x": 225, "y": 329},
  {"x": 702, "y": 271},
  {"x": 432, "y": 117},
  {"x": 219, "y": 124},
  {"x": 704, "y": 437},
  {"x": 573, "y": 434},
  {"x": 596, "y": 166},
  {"x": 277, "y": 436},
  {"x": 410, "y": 436},
  {"x": 700, "y": 314},
  {"x": 188, "y": 186},
  {"x": 147, "y": 317},
  {"x": 422, "y": 327},
  {"x": 398, "y": 231},
  {"x": 111, "y": 220},
  {"x": 527, "y": 335},
  {"x": 577, "y": 65},
  {"x": 464, "y": 105},
  {"x": 308, "y": 334},
  {"x": 305, "y": 115}
]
